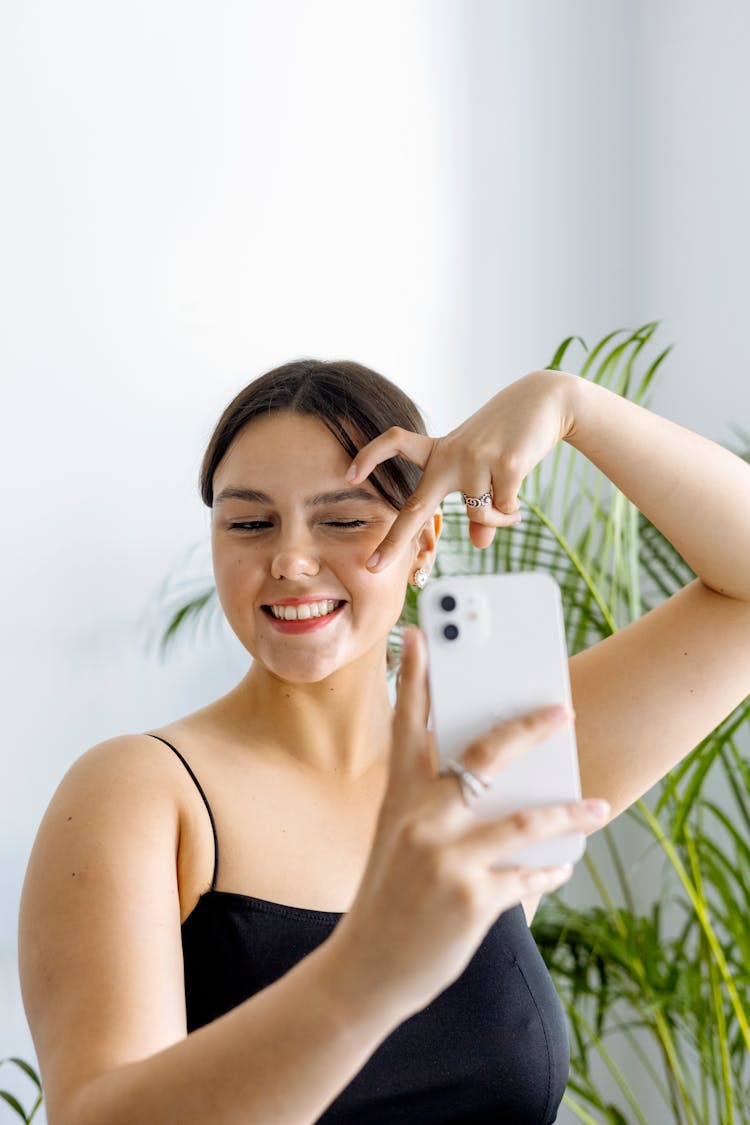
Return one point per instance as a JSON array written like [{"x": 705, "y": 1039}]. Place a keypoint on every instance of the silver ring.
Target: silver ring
[
  {"x": 477, "y": 501},
  {"x": 473, "y": 784}
]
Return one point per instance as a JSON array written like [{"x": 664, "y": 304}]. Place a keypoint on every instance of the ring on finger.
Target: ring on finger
[
  {"x": 477, "y": 501},
  {"x": 472, "y": 784}
]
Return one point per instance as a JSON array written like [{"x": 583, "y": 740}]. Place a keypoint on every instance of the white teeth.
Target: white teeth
[{"x": 303, "y": 612}]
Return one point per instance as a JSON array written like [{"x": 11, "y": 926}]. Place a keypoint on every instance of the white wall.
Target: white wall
[
  {"x": 692, "y": 228},
  {"x": 550, "y": 185},
  {"x": 195, "y": 193},
  {"x": 192, "y": 193}
]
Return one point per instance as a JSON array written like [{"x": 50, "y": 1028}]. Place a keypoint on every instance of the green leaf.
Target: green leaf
[
  {"x": 29, "y": 1070},
  {"x": 594, "y": 355},
  {"x": 14, "y": 1104},
  {"x": 191, "y": 611},
  {"x": 614, "y": 1117},
  {"x": 560, "y": 353}
]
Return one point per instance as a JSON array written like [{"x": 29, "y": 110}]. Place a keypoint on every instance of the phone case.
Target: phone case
[{"x": 496, "y": 649}]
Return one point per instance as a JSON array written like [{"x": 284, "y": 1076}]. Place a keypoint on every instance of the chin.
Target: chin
[{"x": 301, "y": 671}]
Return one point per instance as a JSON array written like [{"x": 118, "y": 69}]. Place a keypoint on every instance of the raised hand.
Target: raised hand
[{"x": 491, "y": 452}]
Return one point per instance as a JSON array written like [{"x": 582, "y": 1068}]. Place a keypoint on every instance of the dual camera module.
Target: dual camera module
[{"x": 448, "y": 603}]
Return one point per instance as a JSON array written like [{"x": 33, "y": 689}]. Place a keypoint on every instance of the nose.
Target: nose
[{"x": 295, "y": 559}]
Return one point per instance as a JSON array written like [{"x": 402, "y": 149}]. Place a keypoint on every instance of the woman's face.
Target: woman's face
[{"x": 307, "y": 535}]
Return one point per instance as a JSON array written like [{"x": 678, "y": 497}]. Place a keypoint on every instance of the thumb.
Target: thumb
[{"x": 412, "y": 703}]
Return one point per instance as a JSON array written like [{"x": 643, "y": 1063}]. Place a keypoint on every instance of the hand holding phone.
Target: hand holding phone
[
  {"x": 432, "y": 885},
  {"x": 496, "y": 650}
]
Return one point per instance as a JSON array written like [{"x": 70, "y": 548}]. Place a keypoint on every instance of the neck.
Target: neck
[{"x": 338, "y": 728}]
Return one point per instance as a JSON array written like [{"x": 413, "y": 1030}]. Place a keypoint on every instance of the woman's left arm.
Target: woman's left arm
[
  {"x": 647, "y": 695},
  {"x": 694, "y": 491}
]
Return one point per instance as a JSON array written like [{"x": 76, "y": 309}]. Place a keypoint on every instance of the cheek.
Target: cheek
[
  {"x": 387, "y": 597},
  {"x": 232, "y": 575}
]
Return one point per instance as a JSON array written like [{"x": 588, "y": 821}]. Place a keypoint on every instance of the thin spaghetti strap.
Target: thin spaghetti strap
[{"x": 205, "y": 802}]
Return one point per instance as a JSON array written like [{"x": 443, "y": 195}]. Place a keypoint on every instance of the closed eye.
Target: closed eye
[{"x": 255, "y": 525}]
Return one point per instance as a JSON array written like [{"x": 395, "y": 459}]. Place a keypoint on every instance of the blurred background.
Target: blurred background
[{"x": 193, "y": 193}]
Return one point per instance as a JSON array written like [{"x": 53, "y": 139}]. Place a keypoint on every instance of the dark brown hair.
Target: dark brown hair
[{"x": 354, "y": 402}]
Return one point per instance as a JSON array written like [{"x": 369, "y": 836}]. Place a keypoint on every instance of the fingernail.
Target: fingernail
[
  {"x": 561, "y": 711},
  {"x": 352, "y": 472},
  {"x": 597, "y": 808},
  {"x": 374, "y": 560},
  {"x": 541, "y": 876}
]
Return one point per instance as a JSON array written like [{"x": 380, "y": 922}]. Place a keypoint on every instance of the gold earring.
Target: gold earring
[{"x": 419, "y": 578}]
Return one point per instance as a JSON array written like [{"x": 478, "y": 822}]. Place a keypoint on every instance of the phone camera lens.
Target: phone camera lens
[
  {"x": 448, "y": 603},
  {"x": 450, "y": 632}
]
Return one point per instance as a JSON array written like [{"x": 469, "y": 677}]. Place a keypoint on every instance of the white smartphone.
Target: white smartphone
[{"x": 496, "y": 649}]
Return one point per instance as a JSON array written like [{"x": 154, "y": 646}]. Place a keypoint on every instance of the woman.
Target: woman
[{"x": 284, "y": 873}]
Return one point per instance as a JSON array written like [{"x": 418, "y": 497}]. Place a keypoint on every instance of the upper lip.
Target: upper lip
[{"x": 305, "y": 601}]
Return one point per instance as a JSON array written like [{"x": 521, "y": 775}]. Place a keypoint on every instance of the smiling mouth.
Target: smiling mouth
[{"x": 312, "y": 616}]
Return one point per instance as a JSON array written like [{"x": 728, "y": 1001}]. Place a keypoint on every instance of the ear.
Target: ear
[{"x": 427, "y": 541}]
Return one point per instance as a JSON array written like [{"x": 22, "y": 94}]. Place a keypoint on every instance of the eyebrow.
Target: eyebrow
[{"x": 338, "y": 496}]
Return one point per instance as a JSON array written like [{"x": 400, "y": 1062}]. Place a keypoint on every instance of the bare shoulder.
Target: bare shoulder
[
  {"x": 99, "y": 935},
  {"x": 126, "y": 759},
  {"x": 121, "y": 782}
]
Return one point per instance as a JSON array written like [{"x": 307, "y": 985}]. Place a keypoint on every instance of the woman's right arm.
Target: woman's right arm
[
  {"x": 102, "y": 975},
  {"x": 101, "y": 957}
]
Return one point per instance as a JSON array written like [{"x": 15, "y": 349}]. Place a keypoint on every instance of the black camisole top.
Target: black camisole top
[{"x": 491, "y": 1048}]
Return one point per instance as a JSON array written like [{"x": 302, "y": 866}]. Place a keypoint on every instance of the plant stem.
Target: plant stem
[
  {"x": 619, "y": 868},
  {"x": 613, "y": 1068},
  {"x": 576, "y": 561},
  {"x": 579, "y": 1111},
  {"x": 715, "y": 991},
  {"x": 700, "y": 908}
]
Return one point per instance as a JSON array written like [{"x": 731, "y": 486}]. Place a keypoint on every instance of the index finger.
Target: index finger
[{"x": 417, "y": 508}]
